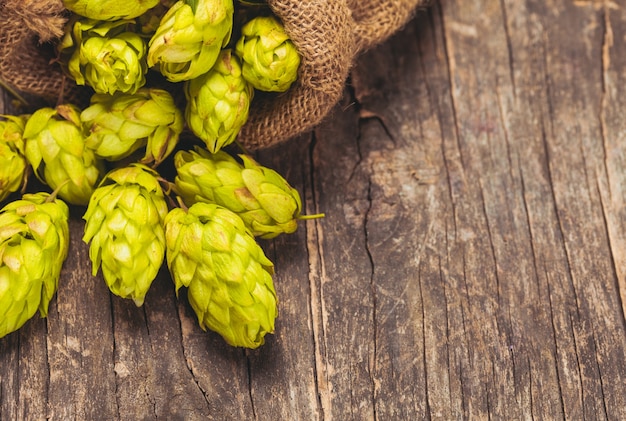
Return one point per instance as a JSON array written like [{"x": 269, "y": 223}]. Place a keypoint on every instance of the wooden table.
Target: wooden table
[{"x": 471, "y": 264}]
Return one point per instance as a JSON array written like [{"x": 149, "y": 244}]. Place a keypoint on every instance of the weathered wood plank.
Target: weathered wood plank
[
  {"x": 511, "y": 182},
  {"x": 80, "y": 344},
  {"x": 471, "y": 263},
  {"x": 613, "y": 128},
  {"x": 344, "y": 291}
]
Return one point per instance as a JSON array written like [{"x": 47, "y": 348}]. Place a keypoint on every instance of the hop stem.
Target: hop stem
[
  {"x": 13, "y": 92},
  {"x": 181, "y": 204},
  {"x": 27, "y": 173},
  {"x": 168, "y": 188},
  {"x": 314, "y": 216},
  {"x": 54, "y": 194},
  {"x": 193, "y": 4},
  {"x": 241, "y": 147}
]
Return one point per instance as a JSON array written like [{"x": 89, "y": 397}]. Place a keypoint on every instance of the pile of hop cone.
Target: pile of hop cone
[{"x": 204, "y": 222}]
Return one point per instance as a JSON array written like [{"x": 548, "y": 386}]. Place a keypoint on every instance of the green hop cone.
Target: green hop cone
[
  {"x": 13, "y": 163},
  {"x": 124, "y": 226},
  {"x": 109, "y": 9},
  {"x": 218, "y": 102},
  {"x": 56, "y": 149},
  {"x": 270, "y": 59},
  {"x": 107, "y": 56},
  {"x": 189, "y": 38},
  {"x": 120, "y": 124},
  {"x": 263, "y": 199},
  {"x": 34, "y": 240},
  {"x": 210, "y": 251}
]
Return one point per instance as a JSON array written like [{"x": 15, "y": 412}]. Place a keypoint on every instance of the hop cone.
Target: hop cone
[
  {"x": 12, "y": 161},
  {"x": 124, "y": 225},
  {"x": 229, "y": 277},
  {"x": 270, "y": 59},
  {"x": 109, "y": 9},
  {"x": 218, "y": 102},
  {"x": 55, "y": 147},
  {"x": 120, "y": 124},
  {"x": 104, "y": 55},
  {"x": 189, "y": 38},
  {"x": 34, "y": 240},
  {"x": 264, "y": 200}
]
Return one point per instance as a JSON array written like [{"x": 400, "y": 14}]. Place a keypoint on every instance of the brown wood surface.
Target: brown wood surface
[{"x": 471, "y": 264}]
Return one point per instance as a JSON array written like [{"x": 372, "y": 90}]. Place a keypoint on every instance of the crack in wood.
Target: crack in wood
[{"x": 315, "y": 248}]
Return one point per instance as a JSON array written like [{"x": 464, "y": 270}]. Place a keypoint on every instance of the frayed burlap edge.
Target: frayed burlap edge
[{"x": 28, "y": 30}]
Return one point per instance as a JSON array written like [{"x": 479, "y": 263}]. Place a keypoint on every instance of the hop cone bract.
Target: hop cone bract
[
  {"x": 104, "y": 55},
  {"x": 120, "y": 124},
  {"x": 56, "y": 149},
  {"x": 109, "y": 9},
  {"x": 218, "y": 102},
  {"x": 12, "y": 161},
  {"x": 124, "y": 226},
  {"x": 229, "y": 277},
  {"x": 264, "y": 200},
  {"x": 189, "y": 38},
  {"x": 270, "y": 59},
  {"x": 34, "y": 240}
]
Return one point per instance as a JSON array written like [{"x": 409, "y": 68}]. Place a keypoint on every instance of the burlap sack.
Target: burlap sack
[
  {"x": 328, "y": 34},
  {"x": 27, "y": 30}
]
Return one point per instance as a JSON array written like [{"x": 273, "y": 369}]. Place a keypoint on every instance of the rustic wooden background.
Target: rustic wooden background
[{"x": 472, "y": 262}]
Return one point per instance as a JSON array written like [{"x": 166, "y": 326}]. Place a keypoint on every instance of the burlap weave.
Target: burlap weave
[
  {"x": 328, "y": 34},
  {"x": 28, "y": 29}
]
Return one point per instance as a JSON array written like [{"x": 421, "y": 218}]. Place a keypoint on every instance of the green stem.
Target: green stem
[
  {"x": 314, "y": 216},
  {"x": 193, "y": 4},
  {"x": 27, "y": 173},
  {"x": 166, "y": 185},
  {"x": 181, "y": 204},
  {"x": 54, "y": 194},
  {"x": 243, "y": 149},
  {"x": 13, "y": 92},
  {"x": 168, "y": 188}
]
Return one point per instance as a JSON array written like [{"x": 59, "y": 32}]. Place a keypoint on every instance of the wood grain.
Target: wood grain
[{"x": 471, "y": 264}]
